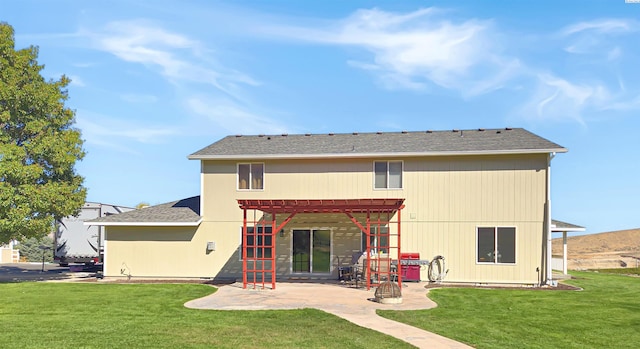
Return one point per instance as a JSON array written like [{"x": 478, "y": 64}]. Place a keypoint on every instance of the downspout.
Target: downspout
[{"x": 548, "y": 220}]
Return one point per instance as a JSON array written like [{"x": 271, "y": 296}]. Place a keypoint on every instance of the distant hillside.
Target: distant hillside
[
  {"x": 621, "y": 241},
  {"x": 603, "y": 250}
]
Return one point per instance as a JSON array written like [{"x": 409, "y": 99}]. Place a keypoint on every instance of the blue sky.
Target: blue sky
[{"x": 154, "y": 81}]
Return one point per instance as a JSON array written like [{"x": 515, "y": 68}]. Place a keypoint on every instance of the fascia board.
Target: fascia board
[{"x": 145, "y": 224}]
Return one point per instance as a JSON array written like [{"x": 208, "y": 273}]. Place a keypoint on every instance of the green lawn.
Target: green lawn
[
  {"x": 65, "y": 315},
  {"x": 606, "y": 314},
  {"x": 624, "y": 271}
]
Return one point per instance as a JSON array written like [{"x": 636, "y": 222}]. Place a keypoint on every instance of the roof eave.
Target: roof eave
[
  {"x": 145, "y": 224},
  {"x": 560, "y": 229},
  {"x": 374, "y": 155}
]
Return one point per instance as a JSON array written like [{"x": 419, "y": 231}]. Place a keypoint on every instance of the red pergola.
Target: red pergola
[{"x": 258, "y": 241}]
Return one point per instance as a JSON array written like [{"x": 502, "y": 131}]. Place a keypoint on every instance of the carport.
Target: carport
[
  {"x": 258, "y": 234},
  {"x": 564, "y": 227}
]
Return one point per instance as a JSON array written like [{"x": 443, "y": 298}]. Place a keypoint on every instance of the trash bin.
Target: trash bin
[{"x": 410, "y": 266}]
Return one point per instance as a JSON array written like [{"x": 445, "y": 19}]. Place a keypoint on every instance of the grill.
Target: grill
[{"x": 388, "y": 293}]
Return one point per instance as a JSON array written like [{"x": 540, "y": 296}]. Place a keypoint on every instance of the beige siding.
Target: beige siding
[{"x": 446, "y": 198}]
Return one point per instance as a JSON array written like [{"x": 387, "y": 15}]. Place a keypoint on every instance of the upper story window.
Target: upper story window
[
  {"x": 251, "y": 176},
  {"x": 388, "y": 175},
  {"x": 496, "y": 245}
]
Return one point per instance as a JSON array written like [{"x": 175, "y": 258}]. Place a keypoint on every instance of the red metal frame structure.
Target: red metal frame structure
[{"x": 258, "y": 252}]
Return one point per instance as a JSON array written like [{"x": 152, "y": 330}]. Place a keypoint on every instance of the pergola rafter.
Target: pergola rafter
[{"x": 264, "y": 263}]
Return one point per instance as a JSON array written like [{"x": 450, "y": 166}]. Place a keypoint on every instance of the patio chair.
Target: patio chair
[
  {"x": 345, "y": 272},
  {"x": 381, "y": 270},
  {"x": 357, "y": 267}
]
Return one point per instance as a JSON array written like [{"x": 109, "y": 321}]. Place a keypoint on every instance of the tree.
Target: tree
[
  {"x": 32, "y": 249},
  {"x": 38, "y": 146}
]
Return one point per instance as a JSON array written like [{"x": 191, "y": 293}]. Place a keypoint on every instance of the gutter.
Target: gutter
[{"x": 548, "y": 224}]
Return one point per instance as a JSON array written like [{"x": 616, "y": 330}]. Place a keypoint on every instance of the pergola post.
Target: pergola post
[
  {"x": 244, "y": 248},
  {"x": 564, "y": 252}
]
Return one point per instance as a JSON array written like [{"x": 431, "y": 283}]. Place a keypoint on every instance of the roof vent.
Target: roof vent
[
  {"x": 261, "y": 135},
  {"x": 378, "y": 133},
  {"x": 284, "y": 135},
  {"x": 455, "y": 130},
  {"x": 307, "y": 134},
  {"x": 269, "y": 137},
  {"x": 498, "y": 131},
  {"x": 404, "y": 132},
  {"x": 331, "y": 133},
  {"x": 508, "y": 128},
  {"x": 355, "y": 133},
  {"x": 238, "y": 135},
  {"x": 429, "y": 131},
  {"x": 480, "y": 129}
]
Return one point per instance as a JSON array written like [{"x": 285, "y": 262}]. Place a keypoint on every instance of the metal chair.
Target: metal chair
[
  {"x": 345, "y": 272},
  {"x": 357, "y": 268}
]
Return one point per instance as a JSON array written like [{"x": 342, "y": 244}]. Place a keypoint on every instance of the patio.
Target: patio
[{"x": 352, "y": 304}]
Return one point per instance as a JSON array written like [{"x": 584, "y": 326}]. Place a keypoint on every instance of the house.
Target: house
[
  {"x": 8, "y": 253},
  {"x": 276, "y": 207}
]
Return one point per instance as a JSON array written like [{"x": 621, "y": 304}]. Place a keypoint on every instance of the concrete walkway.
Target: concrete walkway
[{"x": 349, "y": 303}]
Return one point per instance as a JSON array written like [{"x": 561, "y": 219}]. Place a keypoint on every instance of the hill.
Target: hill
[{"x": 603, "y": 250}]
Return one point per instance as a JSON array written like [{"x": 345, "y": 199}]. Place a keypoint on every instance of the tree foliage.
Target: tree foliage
[
  {"x": 31, "y": 249},
  {"x": 38, "y": 146}
]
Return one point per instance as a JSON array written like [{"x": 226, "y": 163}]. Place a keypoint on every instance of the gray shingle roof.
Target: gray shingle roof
[
  {"x": 480, "y": 141},
  {"x": 562, "y": 226},
  {"x": 182, "y": 212}
]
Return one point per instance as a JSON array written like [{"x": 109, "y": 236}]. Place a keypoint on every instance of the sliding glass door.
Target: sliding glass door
[{"x": 311, "y": 252}]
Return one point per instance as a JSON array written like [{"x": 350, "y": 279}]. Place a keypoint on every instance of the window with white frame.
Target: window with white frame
[
  {"x": 251, "y": 176},
  {"x": 387, "y": 174},
  {"x": 496, "y": 245}
]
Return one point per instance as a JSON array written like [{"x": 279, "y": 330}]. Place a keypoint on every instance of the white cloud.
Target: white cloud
[
  {"x": 601, "y": 26},
  {"x": 76, "y": 81},
  {"x": 598, "y": 37},
  {"x": 558, "y": 99},
  {"x": 177, "y": 56},
  {"x": 232, "y": 117},
  {"x": 118, "y": 134},
  {"x": 414, "y": 49}
]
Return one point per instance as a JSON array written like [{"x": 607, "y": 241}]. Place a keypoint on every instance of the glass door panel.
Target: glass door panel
[
  {"x": 301, "y": 247},
  {"x": 311, "y": 252},
  {"x": 321, "y": 254}
]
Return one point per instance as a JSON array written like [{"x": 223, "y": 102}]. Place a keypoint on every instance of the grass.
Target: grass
[
  {"x": 66, "y": 315},
  {"x": 623, "y": 271},
  {"x": 606, "y": 314}
]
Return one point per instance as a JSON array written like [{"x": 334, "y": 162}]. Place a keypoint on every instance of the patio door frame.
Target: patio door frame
[{"x": 311, "y": 233}]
